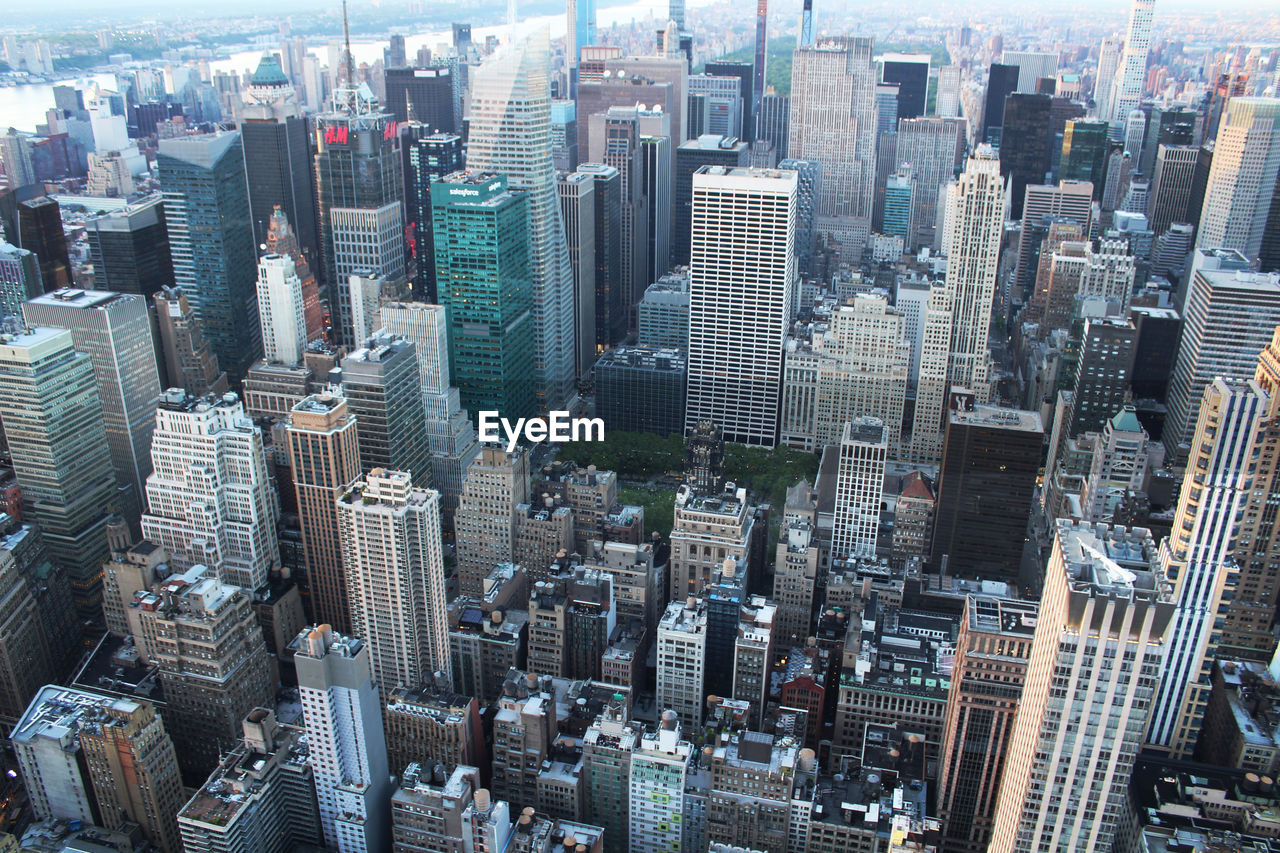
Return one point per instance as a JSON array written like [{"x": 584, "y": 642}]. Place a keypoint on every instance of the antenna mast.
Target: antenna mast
[{"x": 346, "y": 37}]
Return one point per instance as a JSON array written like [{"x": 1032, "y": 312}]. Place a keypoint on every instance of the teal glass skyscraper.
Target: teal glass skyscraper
[{"x": 483, "y": 278}]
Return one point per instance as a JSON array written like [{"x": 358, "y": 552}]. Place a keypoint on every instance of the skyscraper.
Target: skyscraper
[
  {"x": 761, "y": 60},
  {"x": 40, "y": 231},
  {"x": 358, "y": 199},
  {"x": 422, "y": 95},
  {"x": 129, "y": 248},
  {"x": 972, "y": 259},
  {"x": 115, "y": 331},
  {"x": 740, "y": 283},
  {"x": 284, "y": 325},
  {"x": 911, "y": 73},
  {"x": 483, "y": 265},
  {"x": 282, "y": 240},
  {"x": 211, "y": 240},
  {"x": 1084, "y": 152},
  {"x": 495, "y": 484},
  {"x": 682, "y": 660},
  {"x": 833, "y": 121},
  {"x": 615, "y": 141},
  {"x": 1065, "y": 784},
  {"x": 394, "y": 569},
  {"x": 189, "y": 362},
  {"x": 659, "y": 773},
  {"x": 428, "y": 157},
  {"x": 1131, "y": 74},
  {"x": 210, "y": 499},
  {"x": 54, "y": 427},
  {"x": 277, "y": 155},
  {"x": 348, "y": 748},
  {"x": 1002, "y": 81},
  {"x": 384, "y": 391},
  {"x": 1025, "y": 145},
  {"x": 1242, "y": 179},
  {"x": 859, "y": 483},
  {"x": 577, "y": 192},
  {"x": 324, "y": 456},
  {"x": 933, "y": 147},
  {"x": 509, "y": 134},
  {"x": 19, "y": 278},
  {"x": 690, "y": 157}
]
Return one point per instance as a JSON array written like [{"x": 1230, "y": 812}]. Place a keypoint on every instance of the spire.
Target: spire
[
  {"x": 346, "y": 38},
  {"x": 806, "y": 24}
]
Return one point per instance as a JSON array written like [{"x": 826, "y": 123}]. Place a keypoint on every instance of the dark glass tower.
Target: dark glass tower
[
  {"x": 611, "y": 310},
  {"x": 912, "y": 78},
  {"x": 744, "y": 71},
  {"x": 428, "y": 157},
  {"x": 1084, "y": 153},
  {"x": 40, "y": 231},
  {"x": 1024, "y": 146},
  {"x": 1002, "y": 81},
  {"x": 129, "y": 248},
  {"x": 690, "y": 157},
  {"x": 423, "y": 95}
]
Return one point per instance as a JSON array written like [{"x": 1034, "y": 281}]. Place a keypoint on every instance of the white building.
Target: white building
[
  {"x": 1118, "y": 466},
  {"x": 210, "y": 499},
  {"x": 931, "y": 379},
  {"x": 682, "y": 656},
  {"x": 394, "y": 569},
  {"x": 1242, "y": 177},
  {"x": 1131, "y": 74},
  {"x": 659, "y": 770},
  {"x": 510, "y": 134},
  {"x": 947, "y": 104},
  {"x": 1096, "y": 656},
  {"x": 343, "y": 720},
  {"x": 741, "y": 274},
  {"x": 859, "y": 487},
  {"x": 284, "y": 327},
  {"x": 1032, "y": 65},
  {"x": 973, "y": 256}
]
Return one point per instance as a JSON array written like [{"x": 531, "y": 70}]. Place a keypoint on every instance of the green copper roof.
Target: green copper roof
[
  {"x": 269, "y": 72},
  {"x": 1126, "y": 420}
]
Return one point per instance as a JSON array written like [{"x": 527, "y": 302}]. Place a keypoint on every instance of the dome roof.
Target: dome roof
[{"x": 269, "y": 72}]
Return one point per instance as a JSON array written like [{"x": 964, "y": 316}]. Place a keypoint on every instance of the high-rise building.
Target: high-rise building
[
  {"x": 30, "y": 655},
  {"x": 664, "y": 312},
  {"x": 394, "y": 570},
  {"x": 610, "y": 322},
  {"x": 189, "y": 362},
  {"x": 715, "y": 106},
  {"x": 1043, "y": 205},
  {"x": 641, "y": 389},
  {"x": 859, "y": 483},
  {"x": 947, "y": 99},
  {"x": 1025, "y": 144},
  {"x": 422, "y": 95},
  {"x": 1131, "y": 74},
  {"x": 1002, "y": 81},
  {"x": 99, "y": 759},
  {"x": 280, "y": 310},
  {"x": 990, "y": 463},
  {"x": 1065, "y": 784},
  {"x": 933, "y": 147},
  {"x": 211, "y": 241},
  {"x": 358, "y": 200},
  {"x": 615, "y": 141},
  {"x": 578, "y": 207},
  {"x": 741, "y": 277},
  {"x": 692, "y": 155},
  {"x": 430, "y": 724},
  {"x": 54, "y": 427},
  {"x": 795, "y": 572},
  {"x": 973, "y": 256},
  {"x": 1032, "y": 66},
  {"x": 383, "y": 388},
  {"x": 833, "y": 121},
  {"x": 911, "y": 73},
  {"x": 203, "y": 636},
  {"x": 277, "y": 155},
  {"x": 708, "y": 526},
  {"x": 753, "y": 787},
  {"x": 324, "y": 457},
  {"x": 682, "y": 660},
  {"x": 19, "y": 278},
  {"x": 1102, "y": 374},
  {"x": 1242, "y": 179},
  {"x": 774, "y": 122},
  {"x": 343, "y": 721},
  {"x": 210, "y": 498},
  {"x": 114, "y": 329},
  {"x": 1084, "y": 153},
  {"x": 428, "y": 157},
  {"x": 660, "y": 768},
  {"x": 494, "y": 485},
  {"x": 40, "y": 231},
  {"x": 1229, "y": 316},
  {"x": 1171, "y": 187},
  {"x": 129, "y": 248},
  {"x": 931, "y": 383},
  {"x": 483, "y": 264},
  {"x": 282, "y": 240},
  {"x": 509, "y": 134}
]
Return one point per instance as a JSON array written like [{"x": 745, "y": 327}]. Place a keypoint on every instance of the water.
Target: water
[{"x": 23, "y": 107}]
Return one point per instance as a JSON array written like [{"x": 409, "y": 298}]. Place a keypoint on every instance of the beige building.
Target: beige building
[
  {"x": 704, "y": 531},
  {"x": 485, "y": 524}
]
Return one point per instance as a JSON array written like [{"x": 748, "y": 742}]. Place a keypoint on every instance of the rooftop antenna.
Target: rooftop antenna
[
  {"x": 346, "y": 37},
  {"x": 511, "y": 18}
]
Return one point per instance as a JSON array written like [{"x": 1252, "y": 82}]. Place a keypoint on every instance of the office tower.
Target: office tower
[
  {"x": 664, "y": 312},
  {"x": 833, "y": 121},
  {"x": 277, "y": 155},
  {"x": 1064, "y": 784},
  {"x": 931, "y": 382},
  {"x": 129, "y": 248},
  {"x": 610, "y": 322},
  {"x": 260, "y": 797},
  {"x": 859, "y": 483},
  {"x": 690, "y": 157},
  {"x": 1166, "y": 126},
  {"x": 1171, "y": 187},
  {"x": 1104, "y": 77},
  {"x": 745, "y": 73},
  {"x": 972, "y": 258},
  {"x": 358, "y": 199},
  {"x": 1043, "y": 204},
  {"x": 898, "y": 201},
  {"x": 1228, "y": 319},
  {"x": 1103, "y": 373},
  {"x": 324, "y": 458},
  {"x": 658, "y": 82},
  {"x": 494, "y": 484},
  {"x": 795, "y": 573},
  {"x": 483, "y": 258},
  {"x": 284, "y": 325},
  {"x": 775, "y": 122},
  {"x": 577, "y": 194},
  {"x": 660, "y": 767},
  {"x": 1131, "y": 73},
  {"x": 682, "y": 658},
  {"x": 343, "y": 721},
  {"x": 707, "y": 527},
  {"x": 615, "y": 141},
  {"x": 859, "y": 366},
  {"x": 15, "y": 154},
  {"x": 203, "y": 636},
  {"x": 715, "y": 106},
  {"x": 211, "y": 240},
  {"x": 19, "y": 278},
  {"x": 390, "y": 534},
  {"x": 1002, "y": 81},
  {"x": 98, "y": 759},
  {"x": 724, "y": 598},
  {"x": 189, "y": 362},
  {"x": 986, "y": 683},
  {"x": 641, "y": 389},
  {"x": 53, "y": 425},
  {"x": 947, "y": 99},
  {"x": 524, "y": 728},
  {"x": 1084, "y": 152},
  {"x": 657, "y": 164},
  {"x": 427, "y": 809},
  {"x": 422, "y": 95},
  {"x": 933, "y": 147},
  {"x": 282, "y": 240},
  {"x": 210, "y": 494},
  {"x": 428, "y": 157},
  {"x": 383, "y": 388},
  {"x": 509, "y": 134},
  {"x": 809, "y": 174},
  {"x": 30, "y": 655},
  {"x": 741, "y": 271},
  {"x": 1024, "y": 149},
  {"x": 911, "y": 74},
  {"x": 114, "y": 330},
  {"x": 990, "y": 462},
  {"x": 1242, "y": 179},
  {"x": 40, "y": 231},
  {"x": 1117, "y": 467},
  {"x": 886, "y": 141},
  {"x": 564, "y": 134}
]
